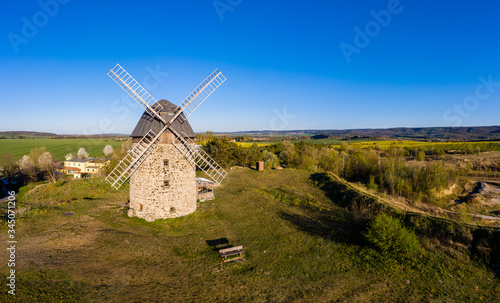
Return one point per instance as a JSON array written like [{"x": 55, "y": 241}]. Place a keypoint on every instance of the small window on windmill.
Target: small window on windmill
[
  {"x": 165, "y": 162},
  {"x": 172, "y": 210},
  {"x": 166, "y": 183},
  {"x": 140, "y": 207}
]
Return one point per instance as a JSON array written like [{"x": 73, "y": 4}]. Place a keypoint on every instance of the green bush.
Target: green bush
[
  {"x": 392, "y": 238},
  {"x": 420, "y": 156},
  {"x": 371, "y": 183}
]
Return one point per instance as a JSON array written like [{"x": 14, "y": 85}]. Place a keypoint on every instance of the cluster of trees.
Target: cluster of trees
[
  {"x": 83, "y": 154},
  {"x": 116, "y": 155},
  {"x": 382, "y": 170},
  {"x": 38, "y": 164},
  {"x": 390, "y": 172}
]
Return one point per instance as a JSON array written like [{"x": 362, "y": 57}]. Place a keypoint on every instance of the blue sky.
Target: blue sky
[{"x": 289, "y": 64}]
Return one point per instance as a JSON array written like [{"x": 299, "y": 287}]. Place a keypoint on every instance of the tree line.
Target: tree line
[{"x": 387, "y": 171}]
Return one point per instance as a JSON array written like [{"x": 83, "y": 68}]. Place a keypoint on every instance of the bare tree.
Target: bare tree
[
  {"x": 27, "y": 167},
  {"x": 108, "y": 150},
  {"x": 46, "y": 162},
  {"x": 82, "y": 153},
  {"x": 10, "y": 166},
  {"x": 69, "y": 157}
]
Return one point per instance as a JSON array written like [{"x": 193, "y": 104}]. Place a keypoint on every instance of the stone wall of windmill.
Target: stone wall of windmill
[{"x": 164, "y": 186}]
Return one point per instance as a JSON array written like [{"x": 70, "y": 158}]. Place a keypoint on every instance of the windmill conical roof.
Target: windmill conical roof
[{"x": 147, "y": 122}]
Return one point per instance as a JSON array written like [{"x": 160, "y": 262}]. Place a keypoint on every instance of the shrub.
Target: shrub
[
  {"x": 420, "y": 156},
  {"x": 371, "y": 183},
  {"x": 391, "y": 237}
]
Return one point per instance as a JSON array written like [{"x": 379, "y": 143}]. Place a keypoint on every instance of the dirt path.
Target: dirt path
[{"x": 404, "y": 207}]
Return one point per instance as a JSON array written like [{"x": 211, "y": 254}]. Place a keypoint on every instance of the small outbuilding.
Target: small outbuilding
[
  {"x": 260, "y": 165},
  {"x": 205, "y": 189},
  {"x": 79, "y": 175}
]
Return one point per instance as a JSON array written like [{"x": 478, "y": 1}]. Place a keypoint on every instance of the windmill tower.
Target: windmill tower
[{"x": 162, "y": 162}]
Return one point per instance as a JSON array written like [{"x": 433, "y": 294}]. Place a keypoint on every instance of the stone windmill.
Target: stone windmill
[{"x": 162, "y": 162}]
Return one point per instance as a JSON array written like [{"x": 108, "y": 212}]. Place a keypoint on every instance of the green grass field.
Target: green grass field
[
  {"x": 303, "y": 243},
  {"x": 58, "y": 147}
]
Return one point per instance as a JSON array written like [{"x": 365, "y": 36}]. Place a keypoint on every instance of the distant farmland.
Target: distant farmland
[
  {"x": 485, "y": 146},
  {"x": 384, "y": 144},
  {"x": 58, "y": 147}
]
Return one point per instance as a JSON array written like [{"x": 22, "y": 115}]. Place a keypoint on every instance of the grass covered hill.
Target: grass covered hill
[{"x": 308, "y": 238}]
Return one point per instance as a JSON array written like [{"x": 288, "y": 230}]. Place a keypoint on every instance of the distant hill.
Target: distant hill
[
  {"x": 45, "y": 135},
  {"x": 482, "y": 133},
  {"x": 17, "y": 134},
  {"x": 416, "y": 133}
]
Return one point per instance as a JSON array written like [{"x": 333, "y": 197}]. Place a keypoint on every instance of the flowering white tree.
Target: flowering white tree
[
  {"x": 27, "y": 167},
  {"x": 46, "y": 163},
  {"x": 108, "y": 150},
  {"x": 82, "y": 153},
  {"x": 69, "y": 157},
  {"x": 126, "y": 146}
]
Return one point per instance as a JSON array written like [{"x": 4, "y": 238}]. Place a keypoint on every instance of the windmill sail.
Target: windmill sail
[
  {"x": 201, "y": 93},
  {"x": 198, "y": 157},
  {"x": 136, "y": 91},
  {"x": 195, "y": 155},
  {"x": 134, "y": 158}
]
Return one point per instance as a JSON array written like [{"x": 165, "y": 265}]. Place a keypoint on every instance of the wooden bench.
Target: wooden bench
[{"x": 231, "y": 251}]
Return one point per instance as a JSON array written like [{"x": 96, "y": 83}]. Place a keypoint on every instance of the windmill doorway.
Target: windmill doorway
[{"x": 206, "y": 189}]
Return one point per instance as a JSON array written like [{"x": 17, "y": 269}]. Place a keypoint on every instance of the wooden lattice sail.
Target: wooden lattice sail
[{"x": 164, "y": 159}]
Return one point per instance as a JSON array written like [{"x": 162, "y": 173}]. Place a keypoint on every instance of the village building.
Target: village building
[{"x": 82, "y": 167}]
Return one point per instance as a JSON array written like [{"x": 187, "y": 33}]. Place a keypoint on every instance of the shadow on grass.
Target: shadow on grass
[
  {"x": 359, "y": 204},
  {"x": 13, "y": 184},
  {"x": 329, "y": 225},
  {"x": 485, "y": 247},
  {"x": 345, "y": 221},
  {"x": 217, "y": 244},
  {"x": 497, "y": 269}
]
